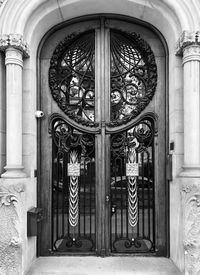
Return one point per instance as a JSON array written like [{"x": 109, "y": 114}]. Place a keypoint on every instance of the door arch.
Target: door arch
[{"x": 127, "y": 199}]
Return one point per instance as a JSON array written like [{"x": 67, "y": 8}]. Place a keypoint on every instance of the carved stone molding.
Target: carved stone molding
[
  {"x": 191, "y": 204},
  {"x": 15, "y": 41},
  {"x": 193, "y": 49},
  {"x": 191, "y": 53},
  {"x": 10, "y": 194},
  {"x": 1, "y": 2},
  {"x": 186, "y": 39},
  {"x": 11, "y": 211}
]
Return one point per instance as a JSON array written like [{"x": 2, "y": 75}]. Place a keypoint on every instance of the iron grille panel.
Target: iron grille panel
[
  {"x": 132, "y": 191},
  {"x": 72, "y": 77},
  {"x": 133, "y": 76},
  {"x": 73, "y": 189}
]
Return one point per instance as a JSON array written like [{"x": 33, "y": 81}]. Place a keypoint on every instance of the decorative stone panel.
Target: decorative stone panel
[
  {"x": 15, "y": 41},
  {"x": 191, "y": 208},
  {"x": 10, "y": 228}
]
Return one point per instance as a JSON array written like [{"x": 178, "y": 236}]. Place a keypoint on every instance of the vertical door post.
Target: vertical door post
[{"x": 102, "y": 112}]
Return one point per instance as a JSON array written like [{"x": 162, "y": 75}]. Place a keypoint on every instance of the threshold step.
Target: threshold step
[{"x": 90, "y": 265}]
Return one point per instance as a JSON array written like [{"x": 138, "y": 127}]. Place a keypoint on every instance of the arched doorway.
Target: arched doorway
[{"x": 103, "y": 140}]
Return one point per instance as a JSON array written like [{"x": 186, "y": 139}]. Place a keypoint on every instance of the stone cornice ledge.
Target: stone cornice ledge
[
  {"x": 16, "y": 41},
  {"x": 187, "y": 38}
]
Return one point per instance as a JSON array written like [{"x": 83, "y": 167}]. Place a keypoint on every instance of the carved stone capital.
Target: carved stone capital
[
  {"x": 15, "y": 41},
  {"x": 191, "y": 208},
  {"x": 186, "y": 39}
]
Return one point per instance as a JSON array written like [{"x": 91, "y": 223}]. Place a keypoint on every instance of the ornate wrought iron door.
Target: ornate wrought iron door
[
  {"x": 73, "y": 189},
  {"x": 132, "y": 189},
  {"x": 103, "y": 164}
]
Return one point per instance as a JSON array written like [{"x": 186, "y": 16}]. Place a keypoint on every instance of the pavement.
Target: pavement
[{"x": 90, "y": 265}]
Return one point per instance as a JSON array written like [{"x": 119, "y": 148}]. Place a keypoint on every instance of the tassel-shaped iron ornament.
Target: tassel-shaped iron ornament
[
  {"x": 73, "y": 193},
  {"x": 132, "y": 189}
]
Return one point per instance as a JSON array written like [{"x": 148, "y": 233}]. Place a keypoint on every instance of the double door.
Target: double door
[{"x": 102, "y": 155}]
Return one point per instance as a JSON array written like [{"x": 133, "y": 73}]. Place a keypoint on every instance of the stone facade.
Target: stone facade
[
  {"x": 23, "y": 26},
  {"x": 191, "y": 216},
  {"x": 11, "y": 207}
]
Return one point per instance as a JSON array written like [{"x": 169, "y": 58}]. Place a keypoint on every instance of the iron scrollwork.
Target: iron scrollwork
[
  {"x": 133, "y": 76},
  {"x": 142, "y": 132},
  {"x": 66, "y": 138},
  {"x": 72, "y": 77},
  {"x": 72, "y": 243},
  {"x": 141, "y": 245}
]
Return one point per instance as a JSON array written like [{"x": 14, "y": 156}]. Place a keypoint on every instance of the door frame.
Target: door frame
[{"x": 106, "y": 174}]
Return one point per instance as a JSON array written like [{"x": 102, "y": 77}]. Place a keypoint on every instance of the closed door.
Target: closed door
[{"x": 103, "y": 140}]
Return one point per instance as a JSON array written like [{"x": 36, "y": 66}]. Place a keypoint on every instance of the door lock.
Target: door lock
[
  {"x": 107, "y": 198},
  {"x": 113, "y": 208}
]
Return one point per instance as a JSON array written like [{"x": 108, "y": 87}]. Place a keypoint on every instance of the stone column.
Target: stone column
[
  {"x": 189, "y": 48},
  {"x": 15, "y": 49}
]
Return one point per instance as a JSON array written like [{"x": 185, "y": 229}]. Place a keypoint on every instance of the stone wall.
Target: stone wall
[
  {"x": 190, "y": 191},
  {"x": 11, "y": 222},
  {"x": 16, "y": 250},
  {"x": 2, "y": 113}
]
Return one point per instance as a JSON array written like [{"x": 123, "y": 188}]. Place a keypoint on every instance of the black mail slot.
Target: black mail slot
[{"x": 34, "y": 216}]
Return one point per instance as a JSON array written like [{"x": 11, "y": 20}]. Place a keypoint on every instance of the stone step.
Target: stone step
[{"x": 90, "y": 265}]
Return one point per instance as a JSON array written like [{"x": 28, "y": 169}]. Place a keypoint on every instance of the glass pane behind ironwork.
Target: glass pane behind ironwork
[
  {"x": 133, "y": 76},
  {"x": 132, "y": 195},
  {"x": 72, "y": 77},
  {"x": 73, "y": 192}
]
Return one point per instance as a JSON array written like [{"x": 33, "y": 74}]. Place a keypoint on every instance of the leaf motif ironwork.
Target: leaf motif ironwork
[
  {"x": 73, "y": 194},
  {"x": 132, "y": 190}
]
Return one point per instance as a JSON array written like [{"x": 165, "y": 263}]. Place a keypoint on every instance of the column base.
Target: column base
[
  {"x": 190, "y": 171},
  {"x": 14, "y": 171}
]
